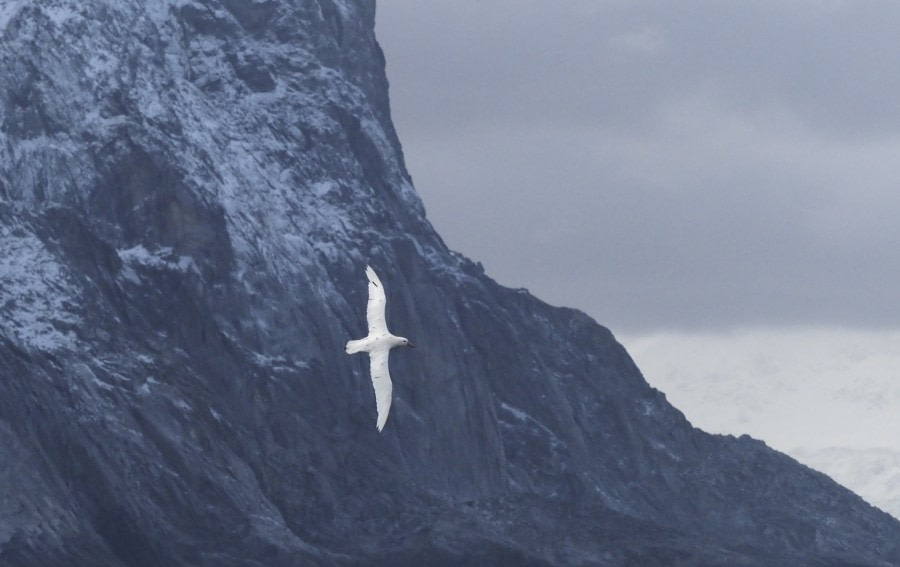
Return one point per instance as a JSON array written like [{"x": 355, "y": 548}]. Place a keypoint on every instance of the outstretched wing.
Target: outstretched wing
[
  {"x": 381, "y": 381},
  {"x": 375, "y": 308}
]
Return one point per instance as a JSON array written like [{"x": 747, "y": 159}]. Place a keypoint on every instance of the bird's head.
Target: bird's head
[{"x": 406, "y": 342}]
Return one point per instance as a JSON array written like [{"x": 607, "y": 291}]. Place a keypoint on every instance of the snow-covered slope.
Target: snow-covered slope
[
  {"x": 874, "y": 474},
  {"x": 830, "y": 398},
  {"x": 189, "y": 192}
]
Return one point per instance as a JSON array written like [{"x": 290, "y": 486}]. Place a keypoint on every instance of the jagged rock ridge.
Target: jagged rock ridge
[{"x": 189, "y": 191}]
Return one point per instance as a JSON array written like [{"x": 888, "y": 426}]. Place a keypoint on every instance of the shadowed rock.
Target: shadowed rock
[{"x": 189, "y": 193}]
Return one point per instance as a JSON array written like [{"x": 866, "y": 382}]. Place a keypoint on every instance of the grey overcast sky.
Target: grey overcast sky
[{"x": 664, "y": 166}]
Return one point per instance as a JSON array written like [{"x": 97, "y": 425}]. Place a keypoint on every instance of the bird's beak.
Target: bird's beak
[{"x": 410, "y": 345}]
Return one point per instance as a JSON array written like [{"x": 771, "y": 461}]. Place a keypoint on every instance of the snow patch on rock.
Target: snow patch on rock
[
  {"x": 37, "y": 298},
  {"x": 162, "y": 259}
]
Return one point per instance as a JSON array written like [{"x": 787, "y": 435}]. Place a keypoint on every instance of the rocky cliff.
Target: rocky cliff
[{"x": 189, "y": 192}]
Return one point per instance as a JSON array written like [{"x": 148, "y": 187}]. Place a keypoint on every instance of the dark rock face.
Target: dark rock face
[{"x": 189, "y": 192}]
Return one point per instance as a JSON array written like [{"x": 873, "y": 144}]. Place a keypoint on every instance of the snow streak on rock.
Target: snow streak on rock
[
  {"x": 37, "y": 300},
  {"x": 204, "y": 182}
]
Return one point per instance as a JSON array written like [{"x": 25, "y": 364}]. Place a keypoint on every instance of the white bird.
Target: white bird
[{"x": 378, "y": 344}]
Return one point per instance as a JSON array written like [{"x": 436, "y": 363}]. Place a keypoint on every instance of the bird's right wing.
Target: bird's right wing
[
  {"x": 381, "y": 381},
  {"x": 375, "y": 307}
]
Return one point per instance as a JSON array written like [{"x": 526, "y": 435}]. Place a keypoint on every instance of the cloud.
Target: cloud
[
  {"x": 648, "y": 39},
  {"x": 703, "y": 165}
]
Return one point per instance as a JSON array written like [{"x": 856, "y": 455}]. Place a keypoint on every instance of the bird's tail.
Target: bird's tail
[{"x": 355, "y": 346}]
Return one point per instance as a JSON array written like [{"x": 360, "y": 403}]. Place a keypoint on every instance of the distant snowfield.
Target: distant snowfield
[{"x": 828, "y": 397}]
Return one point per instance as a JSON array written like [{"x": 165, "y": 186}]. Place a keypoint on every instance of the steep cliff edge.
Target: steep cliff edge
[{"x": 189, "y": 192}]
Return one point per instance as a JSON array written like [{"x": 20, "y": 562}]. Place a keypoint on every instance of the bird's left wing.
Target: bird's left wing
[
  {"x": 375, "y": 307},
  {"x": 381, "y": 381}
]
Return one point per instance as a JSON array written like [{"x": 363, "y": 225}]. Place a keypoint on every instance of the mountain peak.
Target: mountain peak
[{"x": 188, "y": 192}]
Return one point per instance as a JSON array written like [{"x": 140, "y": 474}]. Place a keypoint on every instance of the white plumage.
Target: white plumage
[{"x": 378, "y": 344}]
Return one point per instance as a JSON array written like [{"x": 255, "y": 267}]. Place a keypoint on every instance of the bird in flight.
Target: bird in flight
[{"x": 378, "y": 344}]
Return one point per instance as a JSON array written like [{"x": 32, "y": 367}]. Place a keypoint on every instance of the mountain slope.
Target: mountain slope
[
  {"x": 876, "y": 472},
  {"x": 828, "y": 398},
  {"x": 190, "y": 191}
]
